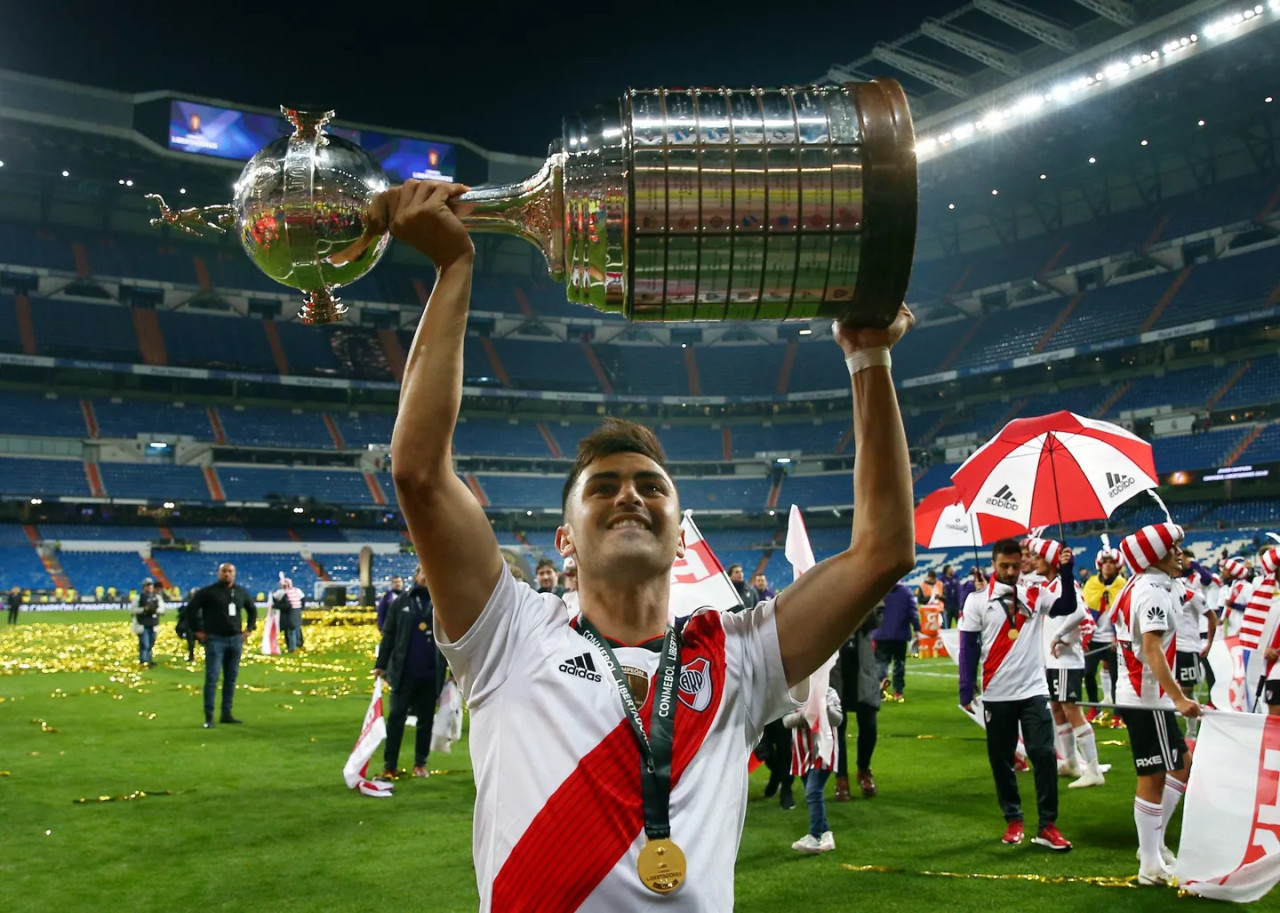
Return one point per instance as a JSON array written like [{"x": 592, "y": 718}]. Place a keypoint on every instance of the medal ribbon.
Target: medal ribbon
[{"x": 655, "y": 748}]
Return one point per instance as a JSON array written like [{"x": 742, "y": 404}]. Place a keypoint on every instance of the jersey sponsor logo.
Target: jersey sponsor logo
[
  {"x": 1117, "y": 482},
  {"x": 695, "y": 684},
  {"x": 1003, "y": 498},
  {"x": 582, "y": 666}
]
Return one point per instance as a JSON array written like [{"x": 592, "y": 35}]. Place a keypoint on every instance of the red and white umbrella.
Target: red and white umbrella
[
  {"x": 942, "y": 522},
  {"x": 1055, "y": 468}
]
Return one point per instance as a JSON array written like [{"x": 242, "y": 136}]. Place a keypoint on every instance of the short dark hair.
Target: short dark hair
[
  {"x": 614, "y": 435},
  {"x": 733, "y": 567},
  {"x": 1005, "y": 547},
  {"x": 545, "y": 562}
]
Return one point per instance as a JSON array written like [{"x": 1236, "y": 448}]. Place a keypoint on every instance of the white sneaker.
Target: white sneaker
[
  {"x": 1068, "y": 769},
  {"x": 809, "y": 844},
  {"x": 828, "y": 842},
  {"x": 1086, "y": 779},
  {"x": 1160, "y": 876},
  {"x": 1166, "y": 856}
]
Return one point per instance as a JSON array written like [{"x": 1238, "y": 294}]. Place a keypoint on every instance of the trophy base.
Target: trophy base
[{"x": 320, "y": 307}]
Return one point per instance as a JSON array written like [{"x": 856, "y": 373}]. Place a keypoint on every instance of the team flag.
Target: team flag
[
  {"x": 271, "y": 633},
  {"x": 1230, "y": 847},
  {"x": 372, "y": 733},
  {"x": 698, "y": 579}
]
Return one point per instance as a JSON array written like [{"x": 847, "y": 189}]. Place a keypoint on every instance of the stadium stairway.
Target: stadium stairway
[
  {"x": 90, "y": 418},
  {"x": 596, "y": 368},
  {"x": 214, "y": 484},
  {"x": 1249, "y": 438},
  {"x": 334, "y": 433},
  {"x": 93, "y": 476},
  {"x": 375, "y": 489},
  {"x": 1165, "y": 299},
  {"x": 215, "y": 422},
  {"x": 691, "y": 372},
  {"x": 157, "y": 573},
  {"x": 1057, "y": 324},
  {"x": 477, "y": 489},
  {"x": 146, "y": 326},
  {"x": 551, "y": 441},
  {"x": 494, "y": 361},
  {"x": 962, "y": 344},
  {"x": 277, "y": 347},
  {"x": 318, "y": 568},
  {"x": 393, "y": 352},
  {"x": 1226, "y": 388},
  {"x": 1115, "y": 397},
  {"x": 784, "y": 373},
  {"x": 26, "y": 325},
  {"x": 51, "y": 564}
]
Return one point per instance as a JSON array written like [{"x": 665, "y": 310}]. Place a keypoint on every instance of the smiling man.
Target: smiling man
[{"x": 610, "y": 748}]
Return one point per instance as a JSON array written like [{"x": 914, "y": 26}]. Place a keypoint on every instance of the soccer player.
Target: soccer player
[
  {"x": 1264, "y": 601},
  {"x": 1194, "y": 612},
  {"x": 1064, "y": 662},
  {"x": 1100, "y": 592},
  {"x": 610, "y": 750},
  {"x": 1146, "y": 618},
  {"x": 1004, "y": 631}
]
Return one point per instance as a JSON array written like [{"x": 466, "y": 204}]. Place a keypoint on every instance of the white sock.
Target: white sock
[
  {"x": 1173, "y": 790},
  {"x": 1106, "y": 683},
  {"x": 1066, "y": 739},
  {"x": 1150, "y": 821},
  {"x": 1088, "y": 745}
]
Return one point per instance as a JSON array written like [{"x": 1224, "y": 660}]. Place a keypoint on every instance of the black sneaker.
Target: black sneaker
[
  {"x": 208, "y": 722},
  {"x": 787, "y": 801},
  {"x": 228, "y": 718}
]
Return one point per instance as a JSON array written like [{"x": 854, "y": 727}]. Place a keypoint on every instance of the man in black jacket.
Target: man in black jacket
[
  {"x": 414, "y": 669},
  {"x": 214, "y": 615}
]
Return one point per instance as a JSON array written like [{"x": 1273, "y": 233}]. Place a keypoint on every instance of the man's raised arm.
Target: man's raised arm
[
  {"x": 454, "y": 540},
  {"x": 819, "y": 611}
]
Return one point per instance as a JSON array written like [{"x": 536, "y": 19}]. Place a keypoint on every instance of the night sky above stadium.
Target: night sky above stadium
[{"x": 494, "y": 72}]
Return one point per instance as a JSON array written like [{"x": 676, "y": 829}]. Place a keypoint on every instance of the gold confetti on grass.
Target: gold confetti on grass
[
  {"x": 1102, "y": 881},
  {"x": 128, "y": 797}
]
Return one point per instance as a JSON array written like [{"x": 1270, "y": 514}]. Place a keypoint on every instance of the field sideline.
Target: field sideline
[{"x": 257, "y": 816}]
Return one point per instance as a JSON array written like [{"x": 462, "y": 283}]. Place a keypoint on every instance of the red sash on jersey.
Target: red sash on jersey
[
  {"x": 1132, "y": 663},
  {"x": 1001, "y": 646},
  {"x": 600, "y": 803}
]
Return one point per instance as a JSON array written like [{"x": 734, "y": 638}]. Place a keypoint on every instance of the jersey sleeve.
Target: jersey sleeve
[
  {"x": 754, "y": 659},
  {"x": 1150, "y": 612},
  {"x": 499, "y": 640},
  {"x": 971, "y": 614}
]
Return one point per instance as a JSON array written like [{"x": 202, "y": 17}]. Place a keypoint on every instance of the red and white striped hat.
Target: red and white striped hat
[
  {"x": 1235, "y": 568},
  {"x": 1104, "y": 554},
  {"x": 1270, "y": 560},
  {"x": 1149, "y": 544},
  {"x": 1048, "y": 549}
]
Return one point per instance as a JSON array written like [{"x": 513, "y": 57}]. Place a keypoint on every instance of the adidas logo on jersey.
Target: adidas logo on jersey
[
  {"x": 1004, "y": 499},
  {"x": 583, "y": 666},
  {"x": 1118, "y": 483}
]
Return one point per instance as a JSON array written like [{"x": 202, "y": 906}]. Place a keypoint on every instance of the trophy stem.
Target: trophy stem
[
  {"x": 321, "y": 306},
  {"x": 532, "y": 209}
]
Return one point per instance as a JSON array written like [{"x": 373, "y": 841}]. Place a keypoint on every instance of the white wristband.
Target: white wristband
[{"x": 862, "y": 359}]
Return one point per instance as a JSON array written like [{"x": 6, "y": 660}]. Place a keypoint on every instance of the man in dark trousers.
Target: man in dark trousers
[
  {"x": 950, "y": 597},
  {"x": 15, "y": 604},
  {"x": 414, "y": 669},
  {"x": 859, "y": 690},
  {"x": 217, "y": 615},
  {"x": 900, "y": 624}
]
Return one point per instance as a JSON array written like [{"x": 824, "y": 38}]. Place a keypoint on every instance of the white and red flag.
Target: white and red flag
[
  {"x": 1230, "y": 847},
  {"x": 372, "y": 733},
  {"x": 271, "y": 633},
  {"x": 815, "y": 746},
  {"x": 698, "y": 579}
]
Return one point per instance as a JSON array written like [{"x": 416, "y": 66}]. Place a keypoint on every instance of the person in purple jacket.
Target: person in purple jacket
[
  {"x": 950, "y": 597},
  {"x": 901, "y": 624},
  {"x": 390, "y": 596}
]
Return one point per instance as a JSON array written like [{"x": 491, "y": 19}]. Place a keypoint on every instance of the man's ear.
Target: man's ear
[
  {"x": 564, "y": 541},
  {"x": 680, "y": 547}
]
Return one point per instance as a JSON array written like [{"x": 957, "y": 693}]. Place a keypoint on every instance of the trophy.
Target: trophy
[{"x": 671, "y": 204}]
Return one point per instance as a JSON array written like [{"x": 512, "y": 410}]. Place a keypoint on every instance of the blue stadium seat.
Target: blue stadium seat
[
  {"x": 207, "y": 340},
  {"x": 25, "y": 478},
  {"x": 328, "y": 486},
  {"x": 132, "y": 418},
  {"x": 1197, "y": 451},
  {"x": 832, "y": 489},
  {"x": 20, "y": 565},
  {"x": 156, "y": 482},
  {"x": 55, "y": 416},
  {"x": 89, "y": 570},
  {"x": 492, "y": 437},
  {"x": 75, "y": 328},
  {"x": 266, "y": 427},
  {"x": 742, "y": 370}
]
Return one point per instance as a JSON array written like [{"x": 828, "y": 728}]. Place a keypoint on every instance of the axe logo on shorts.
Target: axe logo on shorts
[{"x": 695, "y": 684}]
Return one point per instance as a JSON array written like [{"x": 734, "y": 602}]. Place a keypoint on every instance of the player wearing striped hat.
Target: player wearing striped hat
[
  {"x": 1146, "y": 617},
  {"x": 1001, "y": 630},
  {"x": 1064, "y": 661}
]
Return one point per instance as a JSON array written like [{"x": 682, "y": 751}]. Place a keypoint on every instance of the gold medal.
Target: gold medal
[
  {"x": 661, "y": 866},
  {"x": 1013, "y": 633},
  {"x": 422, "y": 626}
]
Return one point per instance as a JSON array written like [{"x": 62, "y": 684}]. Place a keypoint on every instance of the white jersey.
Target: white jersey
[
  {"x": 1064, "y": 629},
  {"x": 556, "y": 762},
  {"x": 1150, "y": 602},
  {"x": 1012, "y": 667},
  {"x": 1190, "y": 615}
]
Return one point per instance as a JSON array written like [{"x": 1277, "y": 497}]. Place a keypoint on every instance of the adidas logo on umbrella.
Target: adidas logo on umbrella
[
  {"x": 1004, "y": 499},
  {"x": 1118, "y": 483}
]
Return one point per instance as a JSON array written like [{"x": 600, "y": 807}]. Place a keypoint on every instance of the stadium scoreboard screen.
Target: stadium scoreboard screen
[{"x": 202, "y": 129}]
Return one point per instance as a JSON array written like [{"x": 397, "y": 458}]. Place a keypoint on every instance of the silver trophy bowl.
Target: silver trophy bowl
[{"x": 671, "y": 204}]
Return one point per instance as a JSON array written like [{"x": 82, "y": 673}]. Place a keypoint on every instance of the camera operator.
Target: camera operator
[{"x": 146, "y": 618}]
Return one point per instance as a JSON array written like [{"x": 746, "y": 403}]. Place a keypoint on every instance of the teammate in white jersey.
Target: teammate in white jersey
[
  {"x": 610, "y": 777},
  {"x": 1064, "y": 663},
  {"x": 1146, "y": 617},
  {"x": 1190, "y": 646},
  {"x": 1002, "y": 631}
]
